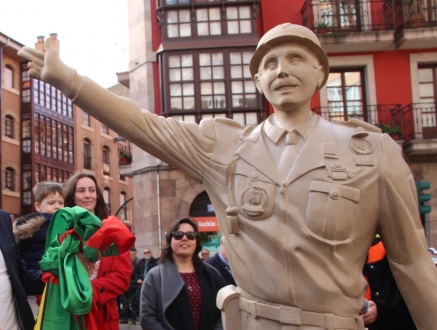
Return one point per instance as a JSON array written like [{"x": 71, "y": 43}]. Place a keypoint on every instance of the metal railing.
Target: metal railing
[
  {"x": 420, "y": 121},
  {"x": 385, "y": 116},
  {"x": 333, "y": 16},
  {"x": 348, "y": 15},
  {"x": 414, "y": 13}
]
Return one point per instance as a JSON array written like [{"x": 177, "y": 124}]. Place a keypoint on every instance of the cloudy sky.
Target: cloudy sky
[{"x": 93, "y": 34}]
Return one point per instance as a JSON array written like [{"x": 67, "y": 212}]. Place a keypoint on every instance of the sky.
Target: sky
[{"x": 93, "y": 34}]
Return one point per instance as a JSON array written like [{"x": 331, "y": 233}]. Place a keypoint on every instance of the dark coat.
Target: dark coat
[
  {"x": 139, "y": 269},
  {"x": 30, "y": 234},
  {"x": 165, "y": 303},
  {"x": 222, "y": 268},
  {"x": 393, "y": 313},
  {"x": 24, "y": 282}
]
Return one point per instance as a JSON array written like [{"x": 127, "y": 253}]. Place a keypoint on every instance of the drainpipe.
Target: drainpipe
[{"x": 158, "y": 200}]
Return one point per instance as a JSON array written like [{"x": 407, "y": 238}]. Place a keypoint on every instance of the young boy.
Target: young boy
[{"x": 31, "y": 230}]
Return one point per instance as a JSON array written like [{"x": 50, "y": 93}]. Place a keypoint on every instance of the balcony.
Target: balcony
[
  {"x": 371, "y": 25},
  {"x": 388, "y": 117},
  {"x": 420, "y": 129},
  {"x": 412, "y": 17}
]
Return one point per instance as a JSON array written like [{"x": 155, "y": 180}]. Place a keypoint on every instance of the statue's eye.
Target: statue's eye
[
  {"x": 295, "y": 60},
  {"x": 272, "y": 65}
]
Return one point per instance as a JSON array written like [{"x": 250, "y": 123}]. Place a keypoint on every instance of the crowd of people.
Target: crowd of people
[{"x": 175, "y": 291}]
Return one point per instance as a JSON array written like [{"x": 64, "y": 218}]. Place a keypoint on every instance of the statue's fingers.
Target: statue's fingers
[
  {"x": 34, "y": 66},
  {"x": 35, "y": 74},
  {"x": 32, "y": 55}
]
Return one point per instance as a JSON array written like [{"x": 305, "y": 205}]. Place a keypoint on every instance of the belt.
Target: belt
[{"x": 296, "y": 316}]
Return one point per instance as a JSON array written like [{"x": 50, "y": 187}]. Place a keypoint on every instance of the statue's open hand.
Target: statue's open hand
[{"x": 48, "y": 67}]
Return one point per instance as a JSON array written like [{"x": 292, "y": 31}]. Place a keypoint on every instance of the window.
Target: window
[
  {"x": 27, "y": 180},
  {"x": 25, "y": 84},
  {"x": 222, "y": 19},
  {"x": 106, "y": 197},
  {"x": 87, "y": 154},
  {"x": 178, "y": 23},
  {"x": 106, "y": 163},
  {"x": 26, "y": 133},
  {"x": 122, "y": 215},
  {"x": 9, "y": 76},
  {"x": 208, "y": 21},
  {"x": 239, "y": 20},
  {"x": 9, "y": 126},
  {"x": 428, "y": 98},
  {"x": 345, "y": 95},
  {"x": 218, "y": 83},
  {"x": 36, "y": 132},
  {"x": 105, "y": 129},
  {"x": 86, "y": 120},
  {"x": 9, "y": 179},
  {"x": 27, "y": 197}
]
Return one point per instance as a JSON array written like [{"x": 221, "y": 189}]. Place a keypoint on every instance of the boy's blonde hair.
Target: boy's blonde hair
[{"x": 45, "y": 188}]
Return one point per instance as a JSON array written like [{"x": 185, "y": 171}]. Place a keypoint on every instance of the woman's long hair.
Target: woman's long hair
[
  {"x": 167, "y": 252},
  {"x": 101, "y": 210}
]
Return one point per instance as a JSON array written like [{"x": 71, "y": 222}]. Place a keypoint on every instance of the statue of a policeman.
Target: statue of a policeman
[{"x": 298, "y": 198}]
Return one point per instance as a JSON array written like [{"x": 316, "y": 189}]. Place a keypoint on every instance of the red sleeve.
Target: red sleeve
[{"x": 113, "y": 279}]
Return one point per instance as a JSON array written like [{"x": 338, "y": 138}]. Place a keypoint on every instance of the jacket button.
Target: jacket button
[
  {"x": 104, "y": 273},
  {"x": 376, "y": 294},
  {"x": 102, "y": 290},
  {"x": 335, "y": 194}
]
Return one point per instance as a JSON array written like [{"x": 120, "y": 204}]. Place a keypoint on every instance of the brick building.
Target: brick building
[
  {"x": 44, "y": 137},
  {"x": 189, "y": 59}
]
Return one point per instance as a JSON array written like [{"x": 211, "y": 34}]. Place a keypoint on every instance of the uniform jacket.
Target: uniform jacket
[
  {"x": 165, "y": 303},
  {"x": 310, "y": 228},
  {"x": 112, "y": 281},
  {"x": 139, "y": 269},
  {"x": 393, "y": 313},
  {"x": 30, "y": 234},
  {"x": 24, "y": 282},
  {"x": 218, "y": 264}
]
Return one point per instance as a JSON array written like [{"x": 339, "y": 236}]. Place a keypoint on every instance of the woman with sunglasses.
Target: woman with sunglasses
[{"x": 180, "y": 293}]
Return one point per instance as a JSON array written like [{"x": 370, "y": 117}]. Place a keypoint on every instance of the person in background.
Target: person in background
[
  {"x": 205, "y": 254},
  {"x": 16, "y": 282},
  {"x": 145, "y": 265},
  {"x": 31, "y": 230},
  {"x": 220, "y": 262},
  {"x": 387, "y": 309},
  {"x": 111, "y": 274},
  {"x": 133, "y": 258},
  {"x": 180, "y": 293},
  {"x": 128, "y": 302}
]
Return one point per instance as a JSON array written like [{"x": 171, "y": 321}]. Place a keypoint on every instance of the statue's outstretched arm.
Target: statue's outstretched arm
[{"x": 105, "y": 106}]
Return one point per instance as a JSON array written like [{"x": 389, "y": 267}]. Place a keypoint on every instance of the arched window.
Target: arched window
[
  {"x": 9, "y": 76},
  {"x": 9, "y": 126},
  {"x": 122, "y": 215},
  {"x": 9, "y": 179},
  {"x": 87, "y": 154},
  {"x": 107, "y": 198}
]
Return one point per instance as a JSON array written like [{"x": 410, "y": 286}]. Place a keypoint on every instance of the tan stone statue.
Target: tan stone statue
[{"x": 298, "y": 198}]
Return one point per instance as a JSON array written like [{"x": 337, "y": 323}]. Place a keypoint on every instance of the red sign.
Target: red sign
[{"x": 207, "y": 224}]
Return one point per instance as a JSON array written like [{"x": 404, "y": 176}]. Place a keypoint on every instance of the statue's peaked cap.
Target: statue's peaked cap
[{"x": 288, "y": 33}]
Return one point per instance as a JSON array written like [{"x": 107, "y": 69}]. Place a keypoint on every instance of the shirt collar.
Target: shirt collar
[{"x": 275, "y": 133}]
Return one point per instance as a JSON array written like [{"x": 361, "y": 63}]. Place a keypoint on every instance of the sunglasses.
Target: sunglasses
[{"x": 178, "y": 235}]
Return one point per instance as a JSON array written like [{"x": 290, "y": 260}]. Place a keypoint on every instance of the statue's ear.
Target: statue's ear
[
  {"x": 321, "y": 75},
  {"x": 258, "y": 83}
]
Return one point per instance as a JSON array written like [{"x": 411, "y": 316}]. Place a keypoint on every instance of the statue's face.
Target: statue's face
[{"x": 288, "y": 76}]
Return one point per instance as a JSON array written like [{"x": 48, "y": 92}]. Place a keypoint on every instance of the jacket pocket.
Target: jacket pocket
[{"x": 331, "y": 211}]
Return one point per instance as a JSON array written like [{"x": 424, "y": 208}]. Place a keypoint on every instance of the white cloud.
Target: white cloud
[{"x": 93, "y": 34}]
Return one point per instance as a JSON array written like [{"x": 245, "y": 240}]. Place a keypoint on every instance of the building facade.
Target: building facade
[
  {"x": 44, "y": 137},
  {"x": 189, "y": 60}
]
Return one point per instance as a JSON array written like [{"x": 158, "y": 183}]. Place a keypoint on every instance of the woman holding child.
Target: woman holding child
[{"x": 112, "y": 274}]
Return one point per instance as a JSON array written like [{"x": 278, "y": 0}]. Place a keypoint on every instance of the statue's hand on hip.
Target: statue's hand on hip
[{"x": 48, "y": 67}]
